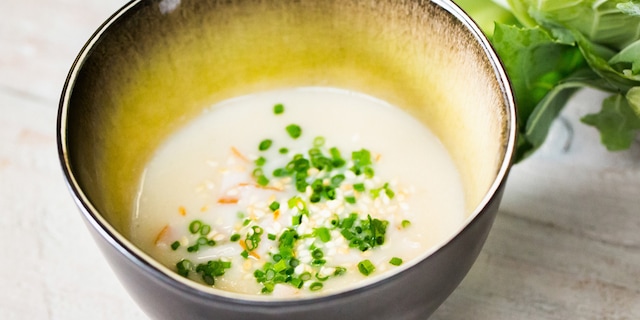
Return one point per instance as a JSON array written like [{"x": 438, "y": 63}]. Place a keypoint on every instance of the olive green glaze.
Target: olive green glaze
[{"x": 147, "y": 72}]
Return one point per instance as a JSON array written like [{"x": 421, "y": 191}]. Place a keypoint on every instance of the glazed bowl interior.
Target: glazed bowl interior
[{"x": 156, "y": 65}]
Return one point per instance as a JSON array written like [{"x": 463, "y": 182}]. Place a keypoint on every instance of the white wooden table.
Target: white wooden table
[{"x": 565, "y": 245}]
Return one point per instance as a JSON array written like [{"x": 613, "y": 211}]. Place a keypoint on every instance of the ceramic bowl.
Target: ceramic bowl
[{"x": 155, "y": 65}]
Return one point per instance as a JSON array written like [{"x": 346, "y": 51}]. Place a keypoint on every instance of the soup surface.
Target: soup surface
[{"x": 296, "y": 192}]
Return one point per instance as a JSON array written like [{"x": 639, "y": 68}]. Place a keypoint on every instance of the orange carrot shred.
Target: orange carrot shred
[
  {"x": 182, "y": 211},
  {"x": 255, "y": 185},
  {"x": 276, "y": 214},
  {"x": 161, "y": 234},
  {"x": 238, "y": 154},
  {"x": 228, "y": 200}
]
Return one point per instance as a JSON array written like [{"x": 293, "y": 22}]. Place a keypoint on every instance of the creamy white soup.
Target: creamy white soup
[{"x": 296, "y": 192}]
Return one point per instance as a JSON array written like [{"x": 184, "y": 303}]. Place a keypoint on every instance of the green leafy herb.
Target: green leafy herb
[
  {"x": 553, "y": 48},
  {"x": 616, "y": 121}
]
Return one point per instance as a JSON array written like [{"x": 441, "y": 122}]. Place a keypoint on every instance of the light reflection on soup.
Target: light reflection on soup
[{"x": 298, "y": 191}]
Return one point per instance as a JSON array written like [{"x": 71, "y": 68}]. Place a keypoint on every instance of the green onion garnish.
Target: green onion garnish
[
  {"x": 278, "y": 108},
  {"x": 316, "y": 286},
  {"x": 184, "y": 266},
  {"x": 261, "y": 161},
  {"x": 294, "y": 131},
  {"x": 262, "y": 180},
  {"x": 175, "y": 245},
  {"x": 318, "y": 142},
  {"x": 265, "y": 145},
  {"x": 324, "y": 234},
  {"x": 205, "y": 229},
  {"x": 395, "y": 261},
  {"x": 366, "y": 267},
  {"x": 194, "y": 226},
  {"x": 274, "y": 206}
]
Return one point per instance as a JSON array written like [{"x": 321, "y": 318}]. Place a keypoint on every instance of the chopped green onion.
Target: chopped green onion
[
  {"x": 366, "y": 267},
  {"x": 271, "y": 236},
  {"x": 257, "y": 230},
  {"x": 280, "y": 172},
  {"x": 318, "y": 142},
  {"x": 317, "y": 254},
  {"x": 294, "y": 131},
  {"x": 297, "y": 282},
  {"x": 368, "y": 172},
  {"x": 321, "y": 278},
  {"x": 283, "y": 150},
  {"x": 315, "y": 198},
  {"x": 257, "y": 172},
  {"x": 324, "y": 234},
  {"x": 361, "y": 158},
  {"x": 337, "y": 180},
  {"x": 205, "y": 229},
  {"x": 305, "y": 276},
  {"x": 359, "y": 187},
  {"x": 278, "y": 108},
  {"x": 175, "y": 245},
  {"x": 406, "y": 224},
  {"x": 280, "y": 265},
  {"x": 265, "y": 145},
  {"x": 350, "y": 199},
  {"x": 389, "y": 193},
  {"x": 395, "y": 261},
  {"x": 184, "y": 266},
  {"x": 338, "y": 161},
  {"x": 194, "y": 226},
  {"x": 212, "y": 269},
  {"x": 260, "y": 161},
  {"x": 316, "y": 286},
  {"x": 262, "y": 180},
  {"x": 274, "y": 206}
]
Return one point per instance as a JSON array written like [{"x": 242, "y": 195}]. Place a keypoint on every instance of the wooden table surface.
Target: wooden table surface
[{"x": 565, "y": 245}]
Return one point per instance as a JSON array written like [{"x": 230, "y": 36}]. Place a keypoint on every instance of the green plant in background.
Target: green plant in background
[{"x": 552, "y": 48}]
